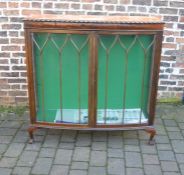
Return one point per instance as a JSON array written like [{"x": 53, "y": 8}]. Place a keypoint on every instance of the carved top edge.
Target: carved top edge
[{"x": 93, "y": 19}]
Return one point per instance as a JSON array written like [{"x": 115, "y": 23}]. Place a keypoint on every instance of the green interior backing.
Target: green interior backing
[
  {"x": 48, "y": 75},
  {"x": 115, "y": 55},
  {"x": 58, "y": 86}
]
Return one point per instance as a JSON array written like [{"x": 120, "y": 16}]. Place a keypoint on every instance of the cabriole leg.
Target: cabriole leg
[
  {"x": 31, "y": 129},
  {"x": 152, "y": 132}
]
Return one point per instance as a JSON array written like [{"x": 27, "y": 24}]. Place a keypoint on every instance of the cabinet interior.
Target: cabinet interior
[{"x": 61, "y": 75}]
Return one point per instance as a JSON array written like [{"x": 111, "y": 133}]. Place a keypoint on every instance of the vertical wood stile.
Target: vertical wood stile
[
  {"x": 93, "y": 63},
  {"x": 29, "y": 66},
  {"x": 155, "y": 75}
]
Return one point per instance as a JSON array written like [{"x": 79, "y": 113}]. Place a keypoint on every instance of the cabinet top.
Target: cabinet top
[{"x": 93, "y": 19}]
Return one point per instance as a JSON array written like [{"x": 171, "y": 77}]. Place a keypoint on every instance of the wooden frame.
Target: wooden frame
[{"x": 92, "y": 28}]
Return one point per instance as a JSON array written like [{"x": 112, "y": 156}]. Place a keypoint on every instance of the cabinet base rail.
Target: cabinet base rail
[{"x": 148, "y": 129}]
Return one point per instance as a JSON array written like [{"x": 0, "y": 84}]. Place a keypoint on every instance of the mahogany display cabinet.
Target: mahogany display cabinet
[{"x": 92, "y": 72}]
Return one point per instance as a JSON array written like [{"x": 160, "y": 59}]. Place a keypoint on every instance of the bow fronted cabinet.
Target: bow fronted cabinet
[{"x": 93, "y": 72}]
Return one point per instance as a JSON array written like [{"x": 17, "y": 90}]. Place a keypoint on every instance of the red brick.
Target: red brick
[
  {"x": 15, "y": 86},
  {"x": 181, "y": 18},
  {"x": 176, "y": 33},
  {"x": 76, "y": 13},
  {"x": 10, "y": 48},
  {"x": 111, "y": 1},
  {"x": 7, "y": 101},
  {"x": 17, "y": 93},
  {"x": 3, "y": 93},
  {"x": 22, "y": 34},
  {"x": 167, "y": 32},
  {"x": 18, "y": 54},
  {"x": 169, "y": 25},
  {"x": 181, "y": 71},
  {"x": 13, "y": 4},
  {"x": 181, "y": 65},
  {"x": 18, "y": 80},
  {"x": 124, "y": 2},
  {"x": 75, "y": 6},
  {"x": 11, "y": 12},
  {"x": 36, "y": 4},
  {"x": 3, "y": 4},
  {"x": 16, "y": 19},
  {"x": 48, "y": 5},
  {"x": 21, "y": 100},
  {"x": 180, "y": 83},
  {"x": 62, "y": 5},
  {"x": 4, "y": 68},
  {"x": 181, "y": 47},
  {"x": 3, "y": 19},
  {"x": 25, "y": 4},
  {"x": 89, "y": 1},
  {"x": 23, "y": 48},
  {"x": 168, "y": 11},
  {"x": 18, "y": 67},
  {"x": 180, "y": 40},
  {"x": 3, "y": 81},
  {"x": 11, "y": 26},
  {"x": 29, "y": 12},
  {"x": 17, "y": 41},
  {"x": 10, "y": 74},
  {"x": 4, "y": 86},
  {"x": 4, "y": 41},
  {"x": 23, "y": 74},
  {"x": 24, "y": 86},
  {"x": 3, "y": 33},
  {"x": 87, "y": 6},
  {"x": 14, "y": 61},
  {"x": 168, "y": 58},
  {"x": 169, "y": 45},
  {"x": 109, "y": 7},
  {"x": 13, "y": 33},
  {"x": 3, "y": 61}
]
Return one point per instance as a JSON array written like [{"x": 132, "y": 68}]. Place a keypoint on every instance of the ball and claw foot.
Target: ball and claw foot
[
  {"x": 30, "y": 131},
  {"x": 151, "y": 142},
  {"x": 31, "y": 141},
  {"x": 152, "y": 133}
]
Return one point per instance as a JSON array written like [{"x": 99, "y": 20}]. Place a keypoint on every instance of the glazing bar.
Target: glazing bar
[
  {"x": 125, "y": 85},
  {"x": 42, "y": 83},
  {"x": 106, "y": 86},
  {"x": 79, "y": 86},
  {"x": 142, "y": 85},
  {"x": 60, "y": 84}
]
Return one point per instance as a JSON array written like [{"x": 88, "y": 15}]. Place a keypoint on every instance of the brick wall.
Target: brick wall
[{"x": 13, "y": 84}]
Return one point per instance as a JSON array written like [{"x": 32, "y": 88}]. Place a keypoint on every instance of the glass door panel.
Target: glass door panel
[
  {"x": 61, "y": 77},
  {"x": 124, "y": 63}
]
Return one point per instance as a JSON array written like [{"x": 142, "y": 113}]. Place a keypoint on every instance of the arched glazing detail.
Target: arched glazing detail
[
  {"x": 124, "y": 63},
  {"x": 61, "y": 58}
]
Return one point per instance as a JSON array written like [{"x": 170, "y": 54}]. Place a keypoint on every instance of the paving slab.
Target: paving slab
[
  {"x": 59, "y": 169},
  {"x": 68, "y": 152},
  {"x": 63, "y": 157},
  {"x": 42, "y": 166},
  {"x": 5, "y": 171}
]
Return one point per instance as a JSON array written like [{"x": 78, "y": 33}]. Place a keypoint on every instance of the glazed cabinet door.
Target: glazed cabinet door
[
  {"x": 61, "y": 75},
  {"x": 123, "y": 76}
]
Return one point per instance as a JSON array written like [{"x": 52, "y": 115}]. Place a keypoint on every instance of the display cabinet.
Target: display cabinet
[{"x": 92, "y": 72}]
